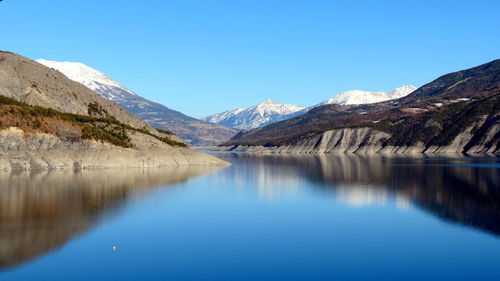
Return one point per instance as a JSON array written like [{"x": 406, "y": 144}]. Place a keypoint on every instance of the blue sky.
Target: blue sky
[{"x": 203, "y": 57}]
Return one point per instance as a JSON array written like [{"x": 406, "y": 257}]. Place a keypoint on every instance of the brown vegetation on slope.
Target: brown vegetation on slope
[
  {"x": 475, "y": 83},
  {"x": 70, "y": 127}
]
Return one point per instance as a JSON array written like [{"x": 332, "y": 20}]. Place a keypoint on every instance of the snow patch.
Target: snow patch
[{"x": 354, "y": 97}]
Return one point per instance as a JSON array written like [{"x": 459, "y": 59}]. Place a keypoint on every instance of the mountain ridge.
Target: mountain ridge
[
  {"x": 192, "y": 130},
  {"x": 457, "y": 112},
  {"x": 254, "y": 116},
  {"x": 259, "y": 115},
  {"x": 355, "y": 97}
]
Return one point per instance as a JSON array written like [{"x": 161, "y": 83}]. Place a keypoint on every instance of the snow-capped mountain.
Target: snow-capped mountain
[
  {"x": 270, "y": 111},
  {"x": 159, "y": 116},
  {"x": 264, "y": 113},
  {"x": 363, "y": 97},
  {"x": 100, "y": 83}
]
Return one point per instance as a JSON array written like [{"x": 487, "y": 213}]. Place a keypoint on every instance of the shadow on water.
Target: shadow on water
[
  {"x": 41, "y": 211},
  {"x": 458, "y": 190}
]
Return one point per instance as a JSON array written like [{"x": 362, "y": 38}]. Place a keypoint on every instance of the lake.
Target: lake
[{"x": 265, "y": 217}]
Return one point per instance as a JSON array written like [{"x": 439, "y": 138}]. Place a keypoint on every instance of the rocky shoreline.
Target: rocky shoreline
[
  {"x": 21, "y": 151},
  {"x": 368, "y": 141}
]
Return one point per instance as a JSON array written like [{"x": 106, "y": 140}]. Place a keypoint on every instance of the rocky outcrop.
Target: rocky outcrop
[
  {"x": 360, "y": 140},
  {"x": 19, "y": 150}
]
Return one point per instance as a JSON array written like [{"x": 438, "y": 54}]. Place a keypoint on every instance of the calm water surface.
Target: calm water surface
[{"x": 263, "y": 218}]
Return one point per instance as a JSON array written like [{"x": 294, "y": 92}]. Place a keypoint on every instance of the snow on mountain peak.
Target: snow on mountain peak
[
  {"x": 269, "y": 101},
  {"x": 88, "y": 76},
  {"x": 266, "y": 112},
  {"x": 364, "y": 97}
]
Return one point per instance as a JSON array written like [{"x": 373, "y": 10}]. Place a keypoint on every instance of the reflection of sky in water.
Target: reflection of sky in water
[
  {"x": 41, "y": 210},
  {"x": 263, "y": 218}
]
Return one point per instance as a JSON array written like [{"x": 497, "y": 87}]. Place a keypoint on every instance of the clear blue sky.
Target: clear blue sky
[{"x": 203, "y": 57}]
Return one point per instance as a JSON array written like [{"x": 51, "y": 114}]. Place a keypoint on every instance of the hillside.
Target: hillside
[
  {"x": 194, "y": 131},
  {"x": 427, "y": 119},
  {"x": 479, "y": 80},
  {"x": 50, "y": 121}
]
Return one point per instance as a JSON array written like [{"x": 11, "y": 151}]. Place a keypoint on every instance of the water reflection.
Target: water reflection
[
  {"x": 462, "y": 190},
  {"x": 42, "y": 211}
]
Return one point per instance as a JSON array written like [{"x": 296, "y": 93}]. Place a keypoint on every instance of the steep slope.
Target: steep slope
[
  {"x": 27, "y": 81},
  {"x": 363, "y": 97},
  {"x": 266, "y": 112},
  {"x": 159, "y": 116},
  {"x": 478, "y": 130},
  {"x": 461, "y": 84},
  {"x": 50, "y": 121}
]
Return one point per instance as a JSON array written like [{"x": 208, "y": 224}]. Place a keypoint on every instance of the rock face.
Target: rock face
[
  {"x": 370, "y": 141},
  {"x": 360, "y": 140},
  {"x": 20, "y": 151},
  {"x": 192, "y": 130},
  {"x": 33, "y": 137}
]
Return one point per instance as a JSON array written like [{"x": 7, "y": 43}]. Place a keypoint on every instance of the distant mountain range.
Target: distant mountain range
[
  {"x": 457, "y": 113},
  {"x": 266, "y": 112},
  {"x": 270, "y": 111},
  {"x": 192, "y": 130},
  {"x": 213, "y": 129}
]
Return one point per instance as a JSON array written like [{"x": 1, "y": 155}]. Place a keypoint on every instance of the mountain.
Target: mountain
[
  {"x": 269, "y": 111},
  {"x": 363, "y": 97},
  {"x": 456, "y": 113},
  {"x": 266, "y": 112},
  {"x": 49, "y": 121},
  {"x": 194, "y": 131}
]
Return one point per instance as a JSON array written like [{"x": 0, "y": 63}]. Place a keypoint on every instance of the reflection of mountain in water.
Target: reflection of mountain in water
[
  {"x": 40, "y": 212},
  {"x": 459, "y": 190}
]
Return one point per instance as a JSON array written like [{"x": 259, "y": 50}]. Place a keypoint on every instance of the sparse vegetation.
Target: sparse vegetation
[
  {"x": 105, "y": 129},
  {"x": 166, "y": 132},
  {"x": 95, "y": 109},
  {"x": 441, "y": 126}
]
